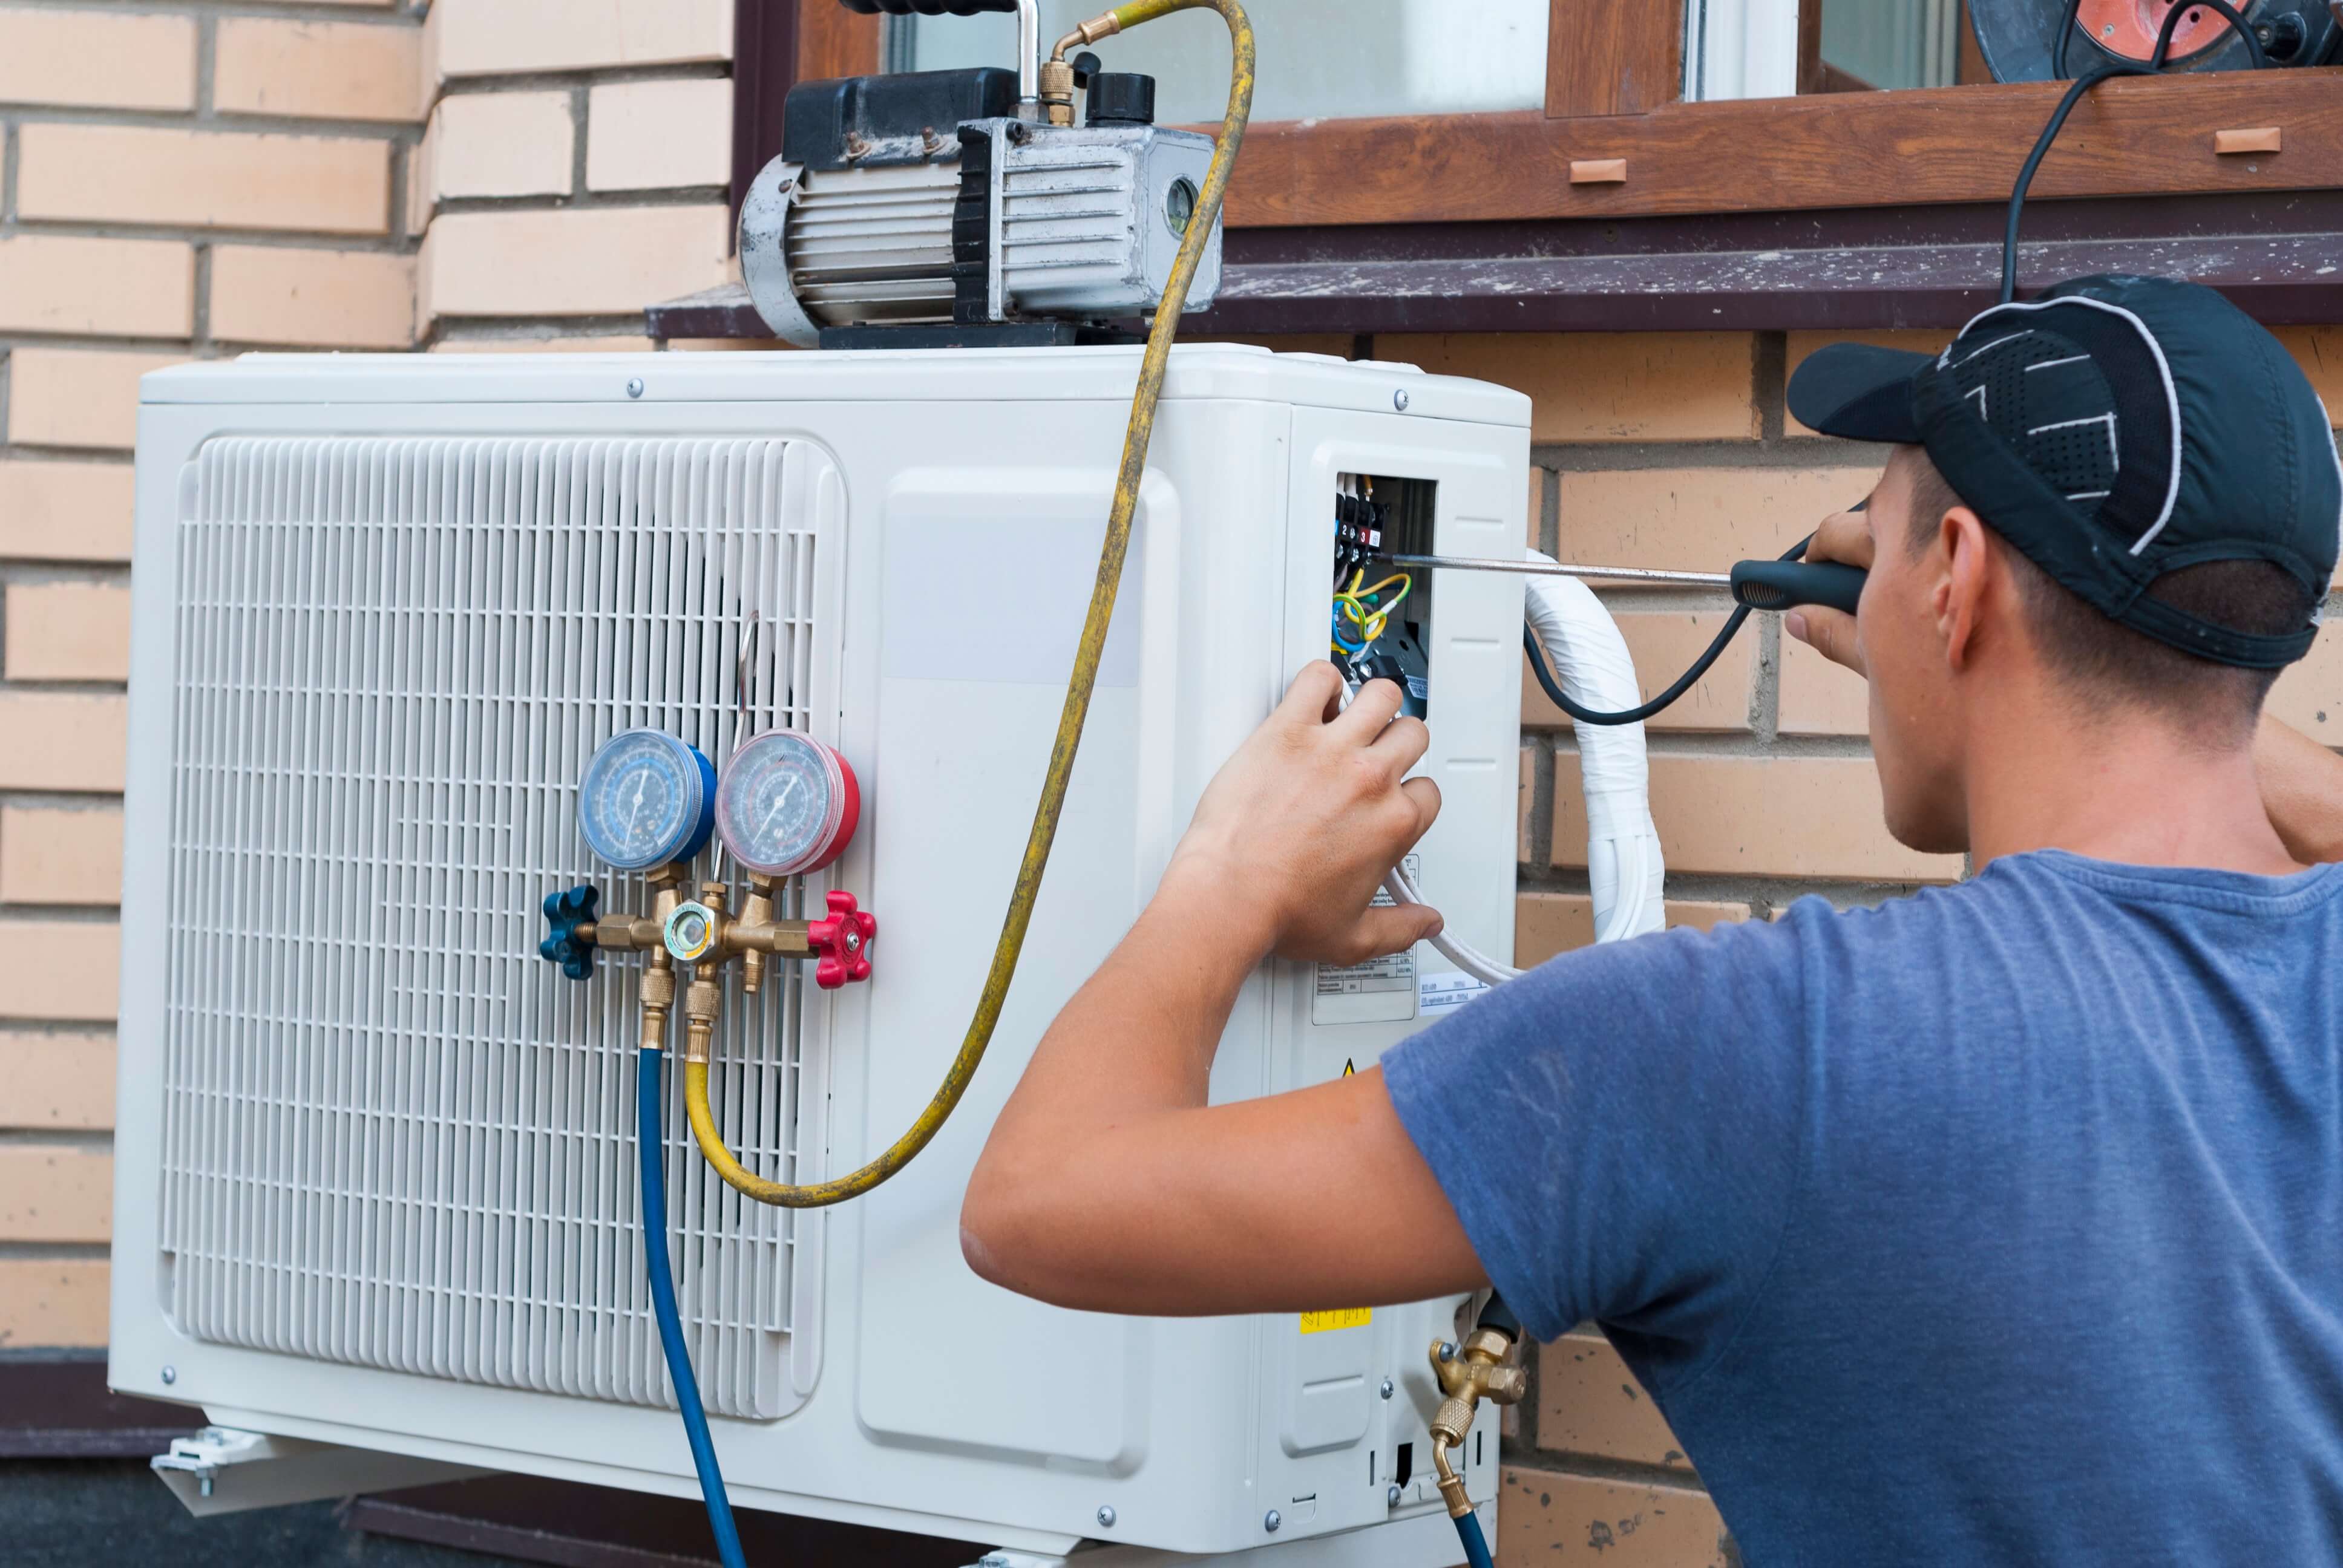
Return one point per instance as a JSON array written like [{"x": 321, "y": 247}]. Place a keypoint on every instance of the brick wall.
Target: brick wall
[
  {"x": 180, "y": 180},
  {"x": 574, "y": 170}
]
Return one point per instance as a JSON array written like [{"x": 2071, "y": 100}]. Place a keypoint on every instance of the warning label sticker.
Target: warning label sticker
[{"x": 1340, "y": 1318}]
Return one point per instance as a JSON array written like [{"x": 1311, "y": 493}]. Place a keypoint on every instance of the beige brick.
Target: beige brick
[
  {"x": 1772, "y": 817},
  {"x": 56, "y": 1082},
  {"x": 216, "y": 179},
  {"x": 65, "y": 511},
  {"x": 1546, "y": 924},
  {"x": 654, "y": 135},
  {"x": 1664, "y": 645},
  {"x": 320, "y": 70},
  {"x": 97, "y": 59},
  {"x": 64, "y": 970},
  {"x": 77, "y": 396},
  {"x": 49, "y": 856},
  {"x": 1820, "y": 698},
  {"x": 1606, "y": 386},
  {"x": 49, "y": 1194},
  {"x": 543, "y": 345},
  {"x": 321, "y": 299},
  {"x": 1590, "y": 1403},
  {"x": 2310, "y": 695},
  {"x": 1803, "y": 344},
  {"x": 62, "y": 741},
  {"x": 106, "y": 287},
  {"x": 1552, "y": 1519},
  {"x": 496, "y": 37},
  {"x": 1700, "y": 519},
  {"x": 598, "y": 262},
  {"x": 66, "y": 631},
  {"x": 502, "y": 145},
  {"x": 52, "y": 1303},
  {"x": 2319, "y": 351}
]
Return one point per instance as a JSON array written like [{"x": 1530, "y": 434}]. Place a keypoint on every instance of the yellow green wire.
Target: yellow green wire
[{"x": 1071, "y": 723}]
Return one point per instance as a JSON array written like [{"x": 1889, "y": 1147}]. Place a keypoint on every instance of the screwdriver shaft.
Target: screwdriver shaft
[{"x": 1541, "y": 570}]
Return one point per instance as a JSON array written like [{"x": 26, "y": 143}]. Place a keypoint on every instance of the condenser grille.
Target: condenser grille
[{"x": 393, "y": 1136}]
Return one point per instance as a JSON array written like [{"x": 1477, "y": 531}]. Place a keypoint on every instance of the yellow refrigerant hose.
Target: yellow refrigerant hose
[{"x": 1141, "y": 433}]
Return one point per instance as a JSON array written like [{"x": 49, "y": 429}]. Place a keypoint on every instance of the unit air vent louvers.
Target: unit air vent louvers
[{"x": 395, "y": 657}]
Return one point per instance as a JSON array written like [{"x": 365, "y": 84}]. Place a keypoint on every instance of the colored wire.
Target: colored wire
[
  {"x": 650, "y": 1153},
  {"x": 1139, "y": 437}
]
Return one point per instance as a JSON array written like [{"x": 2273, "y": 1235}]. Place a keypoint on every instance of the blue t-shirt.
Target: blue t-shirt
[{"x": 2002, "y": 1224}]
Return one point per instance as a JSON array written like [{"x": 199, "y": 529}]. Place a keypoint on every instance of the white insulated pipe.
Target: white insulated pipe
[{"x": 1624, "y": 865}]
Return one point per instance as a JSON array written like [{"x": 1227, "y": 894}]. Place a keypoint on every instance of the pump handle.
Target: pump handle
[{"x": 927, "y": 7}]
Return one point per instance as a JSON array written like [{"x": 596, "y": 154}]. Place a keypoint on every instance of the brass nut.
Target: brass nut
[
  {"x": 701, "y": 1002},
  {"x": 658, "y": 987}
]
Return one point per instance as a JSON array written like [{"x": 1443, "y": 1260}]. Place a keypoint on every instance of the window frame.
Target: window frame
[{"x": 1613, "y": 97}]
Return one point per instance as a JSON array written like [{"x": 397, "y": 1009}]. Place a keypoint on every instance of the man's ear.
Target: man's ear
[{"x": 1964, "y": 560}]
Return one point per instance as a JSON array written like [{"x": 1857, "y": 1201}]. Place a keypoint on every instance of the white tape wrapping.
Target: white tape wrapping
[{"x": 1624, "y": 866}]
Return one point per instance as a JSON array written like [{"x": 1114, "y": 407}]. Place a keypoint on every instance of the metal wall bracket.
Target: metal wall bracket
[{"x": 221, "y": 1470}]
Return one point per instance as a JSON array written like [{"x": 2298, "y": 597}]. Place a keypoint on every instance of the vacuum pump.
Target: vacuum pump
[{"x": 946, "y": 208}]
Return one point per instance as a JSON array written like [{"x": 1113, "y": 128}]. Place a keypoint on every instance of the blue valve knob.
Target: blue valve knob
[{"x": 565, "y": 945}]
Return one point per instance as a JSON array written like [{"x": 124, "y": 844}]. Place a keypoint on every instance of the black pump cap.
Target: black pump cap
[{"x": 1123, "y": 98}]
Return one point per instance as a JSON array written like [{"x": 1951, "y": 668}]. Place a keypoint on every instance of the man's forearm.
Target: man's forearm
[{"x": 2302, "y": 790}]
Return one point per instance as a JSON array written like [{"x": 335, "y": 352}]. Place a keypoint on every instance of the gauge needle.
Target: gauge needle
[
  {"x": 642, "y": 783},
  {"x": 776, "y": 811}
]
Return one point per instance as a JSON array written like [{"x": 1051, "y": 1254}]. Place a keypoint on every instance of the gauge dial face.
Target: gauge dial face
[
  {"x": 645, "y": 801},
  {"x": 788, "y": 805}
]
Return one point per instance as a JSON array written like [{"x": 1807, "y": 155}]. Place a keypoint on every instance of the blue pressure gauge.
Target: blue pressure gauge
[{"x": 647, "y": 799}]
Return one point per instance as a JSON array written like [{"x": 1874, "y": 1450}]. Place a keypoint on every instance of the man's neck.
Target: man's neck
[{"x": 2118, "y": 787}]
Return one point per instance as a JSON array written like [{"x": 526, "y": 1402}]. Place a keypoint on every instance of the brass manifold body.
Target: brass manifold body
[
  {"x": 1468, "y": 1373},
  {"x": 717, "y": 939}
]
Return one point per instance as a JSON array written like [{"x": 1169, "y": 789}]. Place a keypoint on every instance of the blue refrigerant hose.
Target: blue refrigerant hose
[
  {"x": 1477, "y": 1546},
  {"x": 650, "y": 1153}
]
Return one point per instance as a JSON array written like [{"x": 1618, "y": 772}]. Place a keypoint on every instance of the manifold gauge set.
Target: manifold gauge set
[{"x": 788, "y": 805}]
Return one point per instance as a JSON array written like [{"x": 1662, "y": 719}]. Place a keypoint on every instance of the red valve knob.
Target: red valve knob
[{"x": 843, "y": 940}]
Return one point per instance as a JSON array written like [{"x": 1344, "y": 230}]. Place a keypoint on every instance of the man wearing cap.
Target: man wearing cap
[{"x": 2002, "y": 1223}]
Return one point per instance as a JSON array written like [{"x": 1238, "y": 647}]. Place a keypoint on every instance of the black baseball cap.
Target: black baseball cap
[{"x": 2115, "y": 429}]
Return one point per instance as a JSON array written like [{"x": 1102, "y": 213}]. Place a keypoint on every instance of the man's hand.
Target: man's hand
[
  {"x": 1844, "y": 538},
  {"x": 1301, "y": 825}
]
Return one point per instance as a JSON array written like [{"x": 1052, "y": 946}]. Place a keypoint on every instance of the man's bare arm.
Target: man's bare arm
[
  {"x": 1109, "y": 1183},
  {"x": 2302, "y": 790}
]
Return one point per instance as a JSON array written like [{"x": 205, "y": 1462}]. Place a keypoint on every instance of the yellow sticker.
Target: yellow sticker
[{"x": 1340, "y": 1318}]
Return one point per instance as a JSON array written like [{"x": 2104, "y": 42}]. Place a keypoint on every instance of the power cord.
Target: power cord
[
  {"x": 2075, "y": 94},
  {"x": 1701, "y": 665}
]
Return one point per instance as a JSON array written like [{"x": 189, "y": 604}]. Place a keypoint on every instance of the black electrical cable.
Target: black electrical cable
[
  {"x": 2075, "y": 95},
  {"x": 1701, "y": 665},
  {"x": 2066, "y": 31}
]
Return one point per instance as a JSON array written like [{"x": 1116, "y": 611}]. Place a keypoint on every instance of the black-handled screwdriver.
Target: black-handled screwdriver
[{"x": 1760, "y": 585}]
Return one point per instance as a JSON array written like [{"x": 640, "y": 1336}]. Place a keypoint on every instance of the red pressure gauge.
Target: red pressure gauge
[{"x": 787, "y": 804}]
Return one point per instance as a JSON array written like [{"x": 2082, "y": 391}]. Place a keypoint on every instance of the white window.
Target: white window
[
  {"x": 1320, "y": 60},
  {"x": 1749, "y": 48}
]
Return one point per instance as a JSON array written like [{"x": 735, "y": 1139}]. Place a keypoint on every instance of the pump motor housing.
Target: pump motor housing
[{"x": 926, "y": 200}]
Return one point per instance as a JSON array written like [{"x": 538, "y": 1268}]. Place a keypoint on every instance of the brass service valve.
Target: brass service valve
[{"x": 1469, "y": 1373}]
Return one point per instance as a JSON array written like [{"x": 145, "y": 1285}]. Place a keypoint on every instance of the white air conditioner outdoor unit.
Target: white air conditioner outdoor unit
[{"x": 376, "y": 1160}]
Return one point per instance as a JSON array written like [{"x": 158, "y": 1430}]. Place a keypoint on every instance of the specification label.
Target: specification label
[{"x": 1383, "y": 991}]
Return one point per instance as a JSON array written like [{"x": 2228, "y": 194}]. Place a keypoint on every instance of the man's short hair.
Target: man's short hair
[{"x": 2109, "y": 659}]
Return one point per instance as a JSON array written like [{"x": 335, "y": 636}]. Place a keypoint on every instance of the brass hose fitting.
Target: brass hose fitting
[
  {"x": 1469, "y": 1374},
  {"x": 757, "y": 911}
]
